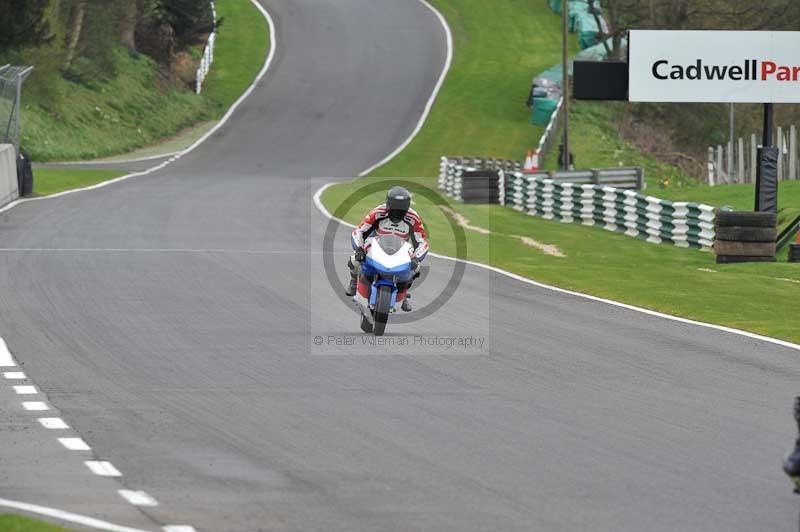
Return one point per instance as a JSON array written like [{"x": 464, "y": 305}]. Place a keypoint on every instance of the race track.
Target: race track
[{"x": 173, "y": 320}]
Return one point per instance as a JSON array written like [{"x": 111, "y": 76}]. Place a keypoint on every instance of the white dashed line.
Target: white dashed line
[
  {"x": 5, "y": 356},
  {"x": 25, "y": 390},
  {"x": 35, "y": 405},
  {"x": 14, "y": 375},
  {"x": 104, "y": 469},
  {"x": 138, "y": 498},
  {"x": 53, "y": 423},
  {"x": 74, "y": 444},
  {"x": 179, "y": 528}
]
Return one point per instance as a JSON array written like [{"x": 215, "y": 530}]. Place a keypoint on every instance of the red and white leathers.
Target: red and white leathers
[{"x": 377, "y": 221}]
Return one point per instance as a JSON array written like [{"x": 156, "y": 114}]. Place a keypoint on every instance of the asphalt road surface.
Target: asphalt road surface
[{"x": 182, "y": 324}]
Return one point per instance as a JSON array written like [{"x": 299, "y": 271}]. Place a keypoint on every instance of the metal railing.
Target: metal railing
[
  {"x": 208, "y": 55},
  {"x": 11, "y": 80}
]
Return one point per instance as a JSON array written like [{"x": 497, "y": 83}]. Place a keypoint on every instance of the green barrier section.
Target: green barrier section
[
  {"x": 543, "y": 109},
  {"x": 587, "y": 29}
]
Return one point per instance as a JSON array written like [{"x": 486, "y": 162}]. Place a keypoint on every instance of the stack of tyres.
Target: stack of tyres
[
  {"x": 745, "y": 236},
  {"x": 480, "y": 186}
]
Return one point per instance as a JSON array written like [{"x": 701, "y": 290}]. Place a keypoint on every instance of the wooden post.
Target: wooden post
[
  {"x": 711, "y": 180},
  {"x": 753, "y": 158},
  {"x": 720, "y": 172},
  {"x": 793, "y": 152},
  {"x": 780, "y": 154},
  {"x": 740, "y": 174}
]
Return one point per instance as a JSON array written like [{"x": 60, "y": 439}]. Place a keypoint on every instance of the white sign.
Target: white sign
[{"x": 714, "y": 66}]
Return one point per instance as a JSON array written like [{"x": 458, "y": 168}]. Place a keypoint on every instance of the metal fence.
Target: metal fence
[
  {"x": 11, "y": 80},
  {"x": 548, "y": 138}
]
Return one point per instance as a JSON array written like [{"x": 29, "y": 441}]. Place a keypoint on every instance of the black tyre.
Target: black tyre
[
  {"x": 745, "y": 219},
  {"x": 747, "y": 234},
  {"x": 366, "y": 325},
  {"x": 735, "y": 259},
  {"x": 381, "y": 314},
  {"x": 480, "y": 181},
  {"x": 745, "y": 249},
  {"x": 794, "y": 252}
]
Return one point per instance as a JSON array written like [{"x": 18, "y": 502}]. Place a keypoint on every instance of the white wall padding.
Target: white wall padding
[{"x": 9, "y": 190}]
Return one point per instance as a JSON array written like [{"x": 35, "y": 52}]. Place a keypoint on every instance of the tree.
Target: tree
[
  {"x": 23, "y": 22},
  {"x": 75, "y": 30}
]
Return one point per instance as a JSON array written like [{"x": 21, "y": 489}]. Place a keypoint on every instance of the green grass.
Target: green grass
[
  {"x": 16, "y": 523},
  {"x": 50, "y": 181},
  {"x": 137, "y": 108},
  {"x": 596, "y": 143},
  {"x": 242, "y": 46},
  {"x": 480, "y": 112},
  {"x": 499, "y": 47},
  {"x": 755, "y": 297}
]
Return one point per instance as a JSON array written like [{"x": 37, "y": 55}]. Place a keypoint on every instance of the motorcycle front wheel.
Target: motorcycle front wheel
[{"x": 381, "y": 314}]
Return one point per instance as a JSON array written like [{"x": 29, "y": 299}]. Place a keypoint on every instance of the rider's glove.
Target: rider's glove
[
  {"x": 415, "y": 264},
  {"x": 360, "y": 256}
]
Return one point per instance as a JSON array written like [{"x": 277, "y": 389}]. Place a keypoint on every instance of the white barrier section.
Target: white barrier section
[{"x": 9, "y": 190}]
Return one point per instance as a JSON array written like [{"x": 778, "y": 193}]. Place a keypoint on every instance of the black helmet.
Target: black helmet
[{"x": 398, "y": 201}]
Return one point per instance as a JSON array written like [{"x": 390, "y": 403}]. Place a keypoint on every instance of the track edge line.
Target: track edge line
[{"x": 776, "y": 341}]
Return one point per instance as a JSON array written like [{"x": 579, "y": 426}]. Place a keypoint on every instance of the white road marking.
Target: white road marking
[
  {"x": 55, "y": 423},
  {"x": 431, "y": 100},
  {"x": 273, "y": 37},
  {"x": 35, "y": 405},
  {"x": 104, "y": 469},
  {"x": 178, "y": 528},
  {"x": 6, "y": 361},
  {"x": 68, "y": 517},
  {"x": 138, "y": 498},
  {"x": 160, "y": 250},
  {"x": 25, "y": 390},
  {"x": 18, "y": 375},
  {"x": 754, "y": 336},
  {"x": 74, "y": 444}
]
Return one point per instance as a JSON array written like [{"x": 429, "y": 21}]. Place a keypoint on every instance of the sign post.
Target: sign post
[{"x": 565, "y": 83}]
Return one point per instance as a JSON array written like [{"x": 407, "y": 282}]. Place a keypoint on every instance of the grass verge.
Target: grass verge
[
  {"x": 136, "y": 108},
  {"x": 16, "y": 523},
  {"x": 51, "y": 181},
  {"x": 480, "y": 111},
  {"x": 499, "y": 47}
]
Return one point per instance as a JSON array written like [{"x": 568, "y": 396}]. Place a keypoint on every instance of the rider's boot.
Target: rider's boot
[
  {"x": 791, "y": 465},
  {"x": 350, "y": 291},
  {"x": 406, "y": 306}
]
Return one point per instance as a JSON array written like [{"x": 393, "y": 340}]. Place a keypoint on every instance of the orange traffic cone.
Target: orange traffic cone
[{"x": 528, "y": 167}]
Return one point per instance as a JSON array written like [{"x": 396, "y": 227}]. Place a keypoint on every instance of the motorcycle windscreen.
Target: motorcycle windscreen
[{"x": 390, "y": 244}]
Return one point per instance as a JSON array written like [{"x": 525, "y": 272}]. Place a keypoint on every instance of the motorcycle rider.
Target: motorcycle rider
[
  {"x": 395, "y": 217},
  {"x": 791, "y": 465}
]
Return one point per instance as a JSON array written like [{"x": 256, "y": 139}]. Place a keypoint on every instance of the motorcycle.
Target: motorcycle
[{"x": 387, "y": 263}]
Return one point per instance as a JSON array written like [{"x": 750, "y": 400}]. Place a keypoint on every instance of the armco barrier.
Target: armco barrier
[
  {"x": 9, "y": 188},
  {"x": 613, "y": 208}
]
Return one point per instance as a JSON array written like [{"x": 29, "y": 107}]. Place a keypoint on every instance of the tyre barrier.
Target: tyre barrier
[
  {"x": 622, "y": 210},
  {"x": 794, "y": 252},
  {"x": 742, "y": 236}
]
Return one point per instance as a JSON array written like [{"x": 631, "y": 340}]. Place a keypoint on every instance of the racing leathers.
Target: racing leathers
[
  {"x": 378, "y": 222},
  {"x": 791, "y": 465}
]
